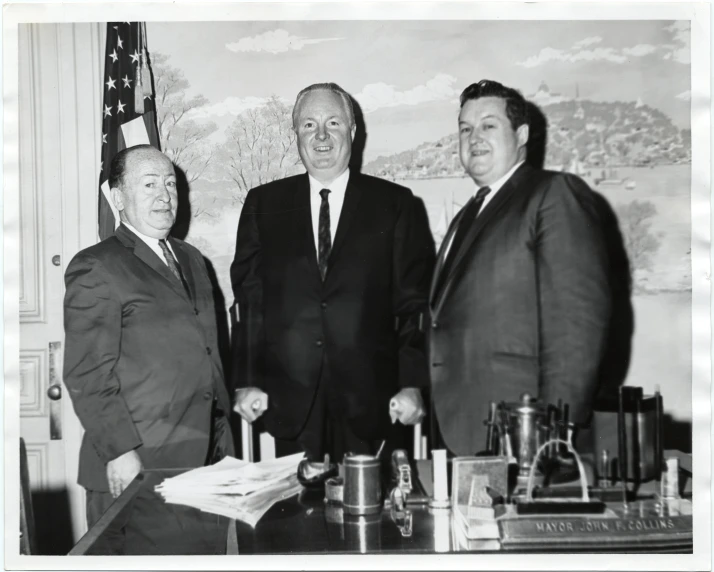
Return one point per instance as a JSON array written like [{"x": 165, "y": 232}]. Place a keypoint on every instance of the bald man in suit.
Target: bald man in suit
[{"x": 141, "y": 357}]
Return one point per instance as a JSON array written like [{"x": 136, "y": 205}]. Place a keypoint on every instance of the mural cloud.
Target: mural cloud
[
  {"x": 679, "y": 50},
  {"x": 587, "y": 42},
  {"x": 229, "y": 106},
  {"x": 582, "y": 51},
  {"x": 378, "y": 95},
  {"x": 275, "y": 42}
]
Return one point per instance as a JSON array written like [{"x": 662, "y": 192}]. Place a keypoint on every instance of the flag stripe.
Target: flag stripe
[{"x": 120, "y": 122}]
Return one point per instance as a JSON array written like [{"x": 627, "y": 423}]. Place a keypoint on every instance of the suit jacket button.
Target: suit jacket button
[
  {"x": 208, "y": 351},
  {"x": 323, "y": 305},
  {"x": 208, "y": 395},
  {"x": 319, "y": 343},
  {"x": 434, "y": 325},
  {"x": 195, "y": 311}
]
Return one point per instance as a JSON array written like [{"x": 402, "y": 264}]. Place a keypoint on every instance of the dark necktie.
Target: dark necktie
[
  {"x": 172, "y": 263},
  {"x": 471, "y": 210},
  {"x": 324, "y": 238}
]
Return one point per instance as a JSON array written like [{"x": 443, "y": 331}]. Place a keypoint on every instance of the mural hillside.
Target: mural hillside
[{"x": 582, "y": 135}]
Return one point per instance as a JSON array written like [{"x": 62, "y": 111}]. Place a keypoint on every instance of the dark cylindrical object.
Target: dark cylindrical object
[
  {"x": 564, "y": 422},
  {"x": 363, "y": 488},
  {"x": 622, "y": 446},
  {"x": 658, "y": 447},
  {"x": 490, "y": 428}
]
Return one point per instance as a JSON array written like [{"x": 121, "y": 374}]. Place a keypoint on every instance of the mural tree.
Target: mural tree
[
  {"x": 260, "y": 147},
  {"x": 183, "y": 139}
]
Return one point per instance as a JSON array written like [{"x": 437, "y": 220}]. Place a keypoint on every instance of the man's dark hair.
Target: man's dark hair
[
  {"x": 516, "y": 105},
  {"x": 329, "y": 86},
  {"x": 118, "y": 165}
]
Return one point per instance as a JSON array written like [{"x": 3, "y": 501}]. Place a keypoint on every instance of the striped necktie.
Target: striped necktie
[
  {"x": 324, "y": 238},
  {"x": 173, "y": 264}
]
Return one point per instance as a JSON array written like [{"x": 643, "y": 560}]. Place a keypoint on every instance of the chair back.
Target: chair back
[{"x": 28, "y": 542}]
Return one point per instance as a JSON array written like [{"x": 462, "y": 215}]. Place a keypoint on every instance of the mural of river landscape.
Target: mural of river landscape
[{"x": 615, "y": 94}]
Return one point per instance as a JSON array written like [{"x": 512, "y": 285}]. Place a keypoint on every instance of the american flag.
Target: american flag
[{"x": 129, "y": 110}]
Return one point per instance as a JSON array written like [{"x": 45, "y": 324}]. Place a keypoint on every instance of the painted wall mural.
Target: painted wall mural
[{"x": 615, "y": 95}]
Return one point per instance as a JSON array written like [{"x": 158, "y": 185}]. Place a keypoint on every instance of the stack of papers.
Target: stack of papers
[{"x": 237, "y": 489}]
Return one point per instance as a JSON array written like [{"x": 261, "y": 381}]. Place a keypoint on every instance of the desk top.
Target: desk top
[
  {"x": 305, "y": 524},
  {"x": 161, "y": 528}
]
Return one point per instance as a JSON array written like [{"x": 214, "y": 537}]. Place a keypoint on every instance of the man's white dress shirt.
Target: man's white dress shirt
[{"x": 336, "y": 199}]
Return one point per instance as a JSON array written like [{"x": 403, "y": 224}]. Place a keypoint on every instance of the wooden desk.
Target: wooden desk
[
  {"x": 176, "y": 529},
  {"x": 304, "y": 524}
]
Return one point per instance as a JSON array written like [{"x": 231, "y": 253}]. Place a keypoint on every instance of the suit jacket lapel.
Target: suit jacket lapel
[
  {"x": 185, "y": 264},
  {"x": 349, "y": 207},
  {"x": 490, "y": 210},
  {"x": 302, "y": 224},
  {"x": 440, "y": 259},
  {"x": 149, "y": 257}
]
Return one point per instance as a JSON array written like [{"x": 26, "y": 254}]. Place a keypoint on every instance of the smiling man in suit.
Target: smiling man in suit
[
  {"x": 141, "y": 357},
  {"x": 520, "y": 299},
  {"x": 331, "y": 275}
]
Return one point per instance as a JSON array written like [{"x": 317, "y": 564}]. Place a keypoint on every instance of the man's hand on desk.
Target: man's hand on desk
[
  {"x": 407, "y": 406},
  {"x": 251, "y": 403},
  {"x": 122, "y": 470}
]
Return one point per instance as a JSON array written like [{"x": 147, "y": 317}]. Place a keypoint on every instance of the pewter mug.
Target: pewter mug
[{"x": 363, "y": 486}]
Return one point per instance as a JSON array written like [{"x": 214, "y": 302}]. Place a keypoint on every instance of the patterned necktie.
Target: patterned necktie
[
  {"x": 471, "y": 210},
  {"x": 324, "y": 238},
  {"x": 172, "y": 263}
]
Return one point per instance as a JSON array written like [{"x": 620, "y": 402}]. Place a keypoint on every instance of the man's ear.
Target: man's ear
[
  {"x": 353, "y": 131},
  {"x": 117, "y": 198},
  {"x": 522, "y": 134}
]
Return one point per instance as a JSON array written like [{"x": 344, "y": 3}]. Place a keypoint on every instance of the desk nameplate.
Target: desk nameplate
[{"x": 595, "y": 530}]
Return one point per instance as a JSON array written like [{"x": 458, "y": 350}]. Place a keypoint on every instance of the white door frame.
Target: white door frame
[{"x": 66, "y": 155}]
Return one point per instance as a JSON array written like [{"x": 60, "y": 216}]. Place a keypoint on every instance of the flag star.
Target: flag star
[
  {"x": 120, "y": 107},
  {"x": 115, "y": 27},
  {"x": 110, "y": 83},
  {"x": 134, "y": 57},
  {"x": 104, "y": 137},
  {"x": 126, "y": 80},
  {"x": 120, "y": 43},
  {"x": 107, "y": 110},
  {"x": 114, "y": 56},
  {"x": 147, "y": 96},
  {"x": 101, "y": 165}
]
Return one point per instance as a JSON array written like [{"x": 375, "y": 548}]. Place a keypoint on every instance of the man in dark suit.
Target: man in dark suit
[
  {"x": 141, "y": 354},
  {"x": 331, "y": 275},
  {"x": 520, "y": 299}
]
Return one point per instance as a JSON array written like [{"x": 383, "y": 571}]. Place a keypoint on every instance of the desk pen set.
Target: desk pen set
[{"x": 530, "y": 486}]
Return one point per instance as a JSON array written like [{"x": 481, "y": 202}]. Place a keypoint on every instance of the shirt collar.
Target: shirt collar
[
  {"x": 502, "y": 181},
  {"x": 339, "y": 185},
  {"x": 147, "y": 239}
]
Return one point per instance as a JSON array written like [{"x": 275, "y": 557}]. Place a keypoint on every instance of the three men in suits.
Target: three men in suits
[
  {"x": 141, "y": 353},
  {"x": 331, "y": 275},
  {"x": 520, "y": 298}
]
